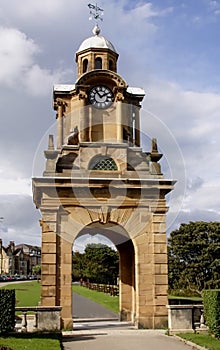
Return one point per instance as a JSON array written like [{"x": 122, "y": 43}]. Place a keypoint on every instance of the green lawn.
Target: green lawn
[
  {"x": 26, "y": 294},
  {"x": 110, "y": 302},
  {"x": 204, "y": 340},
  {"x": 32, "y": 341}
]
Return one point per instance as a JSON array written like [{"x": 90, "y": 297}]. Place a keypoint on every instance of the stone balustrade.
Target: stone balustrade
[{"x": 40, "y": 319}]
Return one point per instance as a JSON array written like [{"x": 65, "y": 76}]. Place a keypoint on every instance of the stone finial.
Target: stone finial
[
  {"x": 154, "y": 146},
  {"x": 51, "y": 156},
  {"x": 96, "y": 30},
  {"x": 155, "y": 156},
  {"x": 50, "y": 143}
]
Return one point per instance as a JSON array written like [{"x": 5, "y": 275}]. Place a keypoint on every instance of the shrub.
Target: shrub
[
  {"x": 7, "y": 310},
  {"x": 211, "y": 303}
]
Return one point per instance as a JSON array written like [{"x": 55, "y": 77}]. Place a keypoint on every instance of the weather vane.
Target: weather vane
[{"x": 95, "y": 12}]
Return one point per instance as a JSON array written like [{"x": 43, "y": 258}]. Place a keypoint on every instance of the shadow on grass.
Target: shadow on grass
[{"x": 57, "y": 336}]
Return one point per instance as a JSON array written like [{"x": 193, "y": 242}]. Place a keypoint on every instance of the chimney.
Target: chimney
[
  {"x": 0, "y": 244},
  {"x": 12, "y": 245}
]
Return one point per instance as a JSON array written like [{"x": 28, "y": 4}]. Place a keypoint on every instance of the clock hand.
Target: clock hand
[{"x": 98, "y": 92}]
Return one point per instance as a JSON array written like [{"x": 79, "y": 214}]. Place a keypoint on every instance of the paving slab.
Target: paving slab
[{"x": 121, "y": 339}]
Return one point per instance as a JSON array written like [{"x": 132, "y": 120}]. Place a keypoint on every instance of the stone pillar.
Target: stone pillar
[
  {"x": 65, "y": 245},
  {"x": 119, "y": 121},
  {"x": 48, "y": 266},
  {"x": 160, "y": 269},
  {"x": 65, "y": 282},
  {"x": 144, "y": 279},
  {"x": 59, "y": 124},
  {"x": 84, "y": 118},
  {"x": 151, "y": 274},
  {"x": 137, "y": 125},
  {"x": 126, "y": 287}
]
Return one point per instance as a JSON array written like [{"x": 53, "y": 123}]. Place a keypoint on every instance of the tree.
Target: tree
[
  {"x": 194, "y": 257},
  {"x": 99, "y": 263},
  {"x": 36, "y": 270}
]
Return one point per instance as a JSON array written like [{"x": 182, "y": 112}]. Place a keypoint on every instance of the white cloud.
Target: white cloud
[
  {"x": 19, "y": 69},
  {"x": 15, "y": 186},
  {"x": 30, "y": 9},
  {"x": 16, "y": 55},
  {"x": 21, "y": 219}
]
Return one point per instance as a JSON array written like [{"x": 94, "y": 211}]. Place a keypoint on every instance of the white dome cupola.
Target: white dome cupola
[{"x": 96, "y": 52}]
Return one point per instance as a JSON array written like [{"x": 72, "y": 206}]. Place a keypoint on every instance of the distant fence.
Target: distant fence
[{"x": 105, "y": 288}]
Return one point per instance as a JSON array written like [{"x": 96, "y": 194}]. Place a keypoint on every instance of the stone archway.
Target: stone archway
[{"x": 140, "y": 237}]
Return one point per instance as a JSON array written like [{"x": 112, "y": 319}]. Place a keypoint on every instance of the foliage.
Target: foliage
[
  {"x": 194, "y": 257},
  {"x": 7, "y": 310},
  {"x": 36, "y": 270},
  {"x": 204, "y": 340},
  {"x": 211, "y": 302},
  {"x": 99, "y": 263},
  {"x": 26, "y": 293},
  {"x": 32, "y": 341},
  {"x": 111, "y": 303}
]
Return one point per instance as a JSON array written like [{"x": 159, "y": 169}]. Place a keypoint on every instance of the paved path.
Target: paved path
[
  {"x": 85, "y": 308},
  {"x": 122, "y": 339},
  {"x": 112, "y": 335}
]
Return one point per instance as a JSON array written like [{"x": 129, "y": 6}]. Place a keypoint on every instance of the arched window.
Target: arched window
[
  {"x": 85, "y": 65},
  {"x": 110, "y": 65},
  {"x": 98, "y": 63},
  {"x": 103, "y": 163}
]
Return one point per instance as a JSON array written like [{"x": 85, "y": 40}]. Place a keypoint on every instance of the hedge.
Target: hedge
[
  {"x": 7, "y": 310},
  {"x": 211, "y": 303}
]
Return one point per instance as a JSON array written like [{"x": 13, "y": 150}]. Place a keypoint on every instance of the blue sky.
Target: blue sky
[{"x": 169, "y": 48}]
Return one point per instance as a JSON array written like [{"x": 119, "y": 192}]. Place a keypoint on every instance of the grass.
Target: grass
[
  {"x": 26, "y": 294},
  {"x": 32, "y": 341},
  {"x": 204, "y": 340},
  {"x": 110, "y": 302}
]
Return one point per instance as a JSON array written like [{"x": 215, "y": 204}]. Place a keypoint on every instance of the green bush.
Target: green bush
[
  {"x": 211, "y": 303},
  {"x": 7, "y": 310}
]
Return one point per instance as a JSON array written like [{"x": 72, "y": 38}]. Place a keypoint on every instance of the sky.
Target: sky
[{"x": 170, "y": 48}]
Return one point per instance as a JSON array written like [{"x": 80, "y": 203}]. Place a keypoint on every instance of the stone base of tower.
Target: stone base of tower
[
  {"x": 152, "y": 323},
  {"x": 67, "y": 323}
]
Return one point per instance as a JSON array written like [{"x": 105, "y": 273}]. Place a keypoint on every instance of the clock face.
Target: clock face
[{"x": 101, "y": 97}]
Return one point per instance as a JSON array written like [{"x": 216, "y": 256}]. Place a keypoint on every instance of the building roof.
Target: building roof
[{"x": 96, "y": 42}]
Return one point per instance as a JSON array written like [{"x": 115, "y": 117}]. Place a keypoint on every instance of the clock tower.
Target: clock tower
[{"x": 98, "y": 180}]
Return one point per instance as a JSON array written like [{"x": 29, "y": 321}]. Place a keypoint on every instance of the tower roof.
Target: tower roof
[{"x": 96, "y": 42}]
